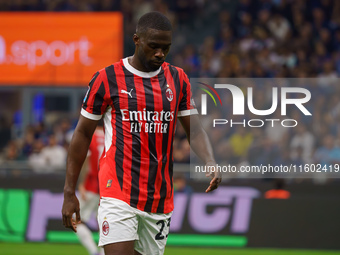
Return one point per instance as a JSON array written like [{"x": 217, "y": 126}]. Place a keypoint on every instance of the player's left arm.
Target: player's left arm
[
  {"x": 82, "y": 177},
  {"x": 200, "y": 144}
]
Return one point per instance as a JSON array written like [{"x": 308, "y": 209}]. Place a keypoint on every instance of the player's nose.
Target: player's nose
[{"x": 159, "y": 53}]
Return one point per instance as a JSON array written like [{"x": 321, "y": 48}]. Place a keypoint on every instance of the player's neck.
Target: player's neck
[{"x": 135, "y": 63}]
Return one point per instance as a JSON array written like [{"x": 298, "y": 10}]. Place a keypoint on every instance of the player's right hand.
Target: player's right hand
[{"x": 71, "y": 206}]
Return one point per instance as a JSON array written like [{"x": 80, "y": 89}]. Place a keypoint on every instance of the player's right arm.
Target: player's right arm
[
  {"x": 94, "y": 106},
  {"x": 82, "y": 177},
  {"x": 76, "y": 156}
]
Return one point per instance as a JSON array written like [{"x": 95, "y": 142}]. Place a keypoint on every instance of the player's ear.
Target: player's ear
[{"x": 136, "y": 39}]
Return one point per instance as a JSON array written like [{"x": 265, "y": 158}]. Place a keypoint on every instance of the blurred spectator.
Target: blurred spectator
[
  {"x": 328, "y": 153},
  {"x": 12, "y": 157},
  {"x": 55, "y": 155},
  {"x": 49, "y": 159},
  {"x": 328, "y": 78},
  {"x": 12, "y": 152},
  {"x": 240, "y": 142},
  {"x": 36, "y": 160},
  {"x": 319, "y": 20},
  {"x": 269, "y": 152},
  {"x": 337, "y": 139},
  {"x": 244, "y": 29},
  {"x": 63, "y": 132},
  {"x": 40, "y": 132},
  {"x": 140, "y": 7},
  {"x": 181, "y": 145},
  {"x": 180, "y": 184},
  {"x": 284, "y": 159},
  {"x": 190, "y": 60},
  {"x": 263, "y": 17},
  {"x": 185, "y": 10},
  {"x": 182, "y": 151},
  {"x": 279, "y": 27},
  {"x": 5, "y": 132},
  {"x": 109, "y": 5},
  {"x": 304, "y": 139},
  {"x": 28, "y": 142},
  {"x": 336, "y": 40},
  {"x": 275, "y": 131}
]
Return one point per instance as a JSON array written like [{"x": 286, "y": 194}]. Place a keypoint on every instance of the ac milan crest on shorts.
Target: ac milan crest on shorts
[{"x": 105, "y": 228}]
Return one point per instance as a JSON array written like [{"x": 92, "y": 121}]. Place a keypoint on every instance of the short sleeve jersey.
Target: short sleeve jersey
[{"x": 140, "y": 110}]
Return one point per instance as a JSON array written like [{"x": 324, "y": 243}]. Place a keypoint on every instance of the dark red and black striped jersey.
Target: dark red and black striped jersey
[{"x": 140, "y": 110}]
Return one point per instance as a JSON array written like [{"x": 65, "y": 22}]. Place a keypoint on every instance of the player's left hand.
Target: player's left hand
[
  {"x": 215, "y": 175},
  {"x": 71, "y": 206}
]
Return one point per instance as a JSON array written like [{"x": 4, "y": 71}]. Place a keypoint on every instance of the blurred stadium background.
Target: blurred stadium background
[{"x": 49, "y": 50}]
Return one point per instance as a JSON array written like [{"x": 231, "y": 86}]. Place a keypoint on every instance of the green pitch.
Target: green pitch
[{"x": 76, "y": 249}]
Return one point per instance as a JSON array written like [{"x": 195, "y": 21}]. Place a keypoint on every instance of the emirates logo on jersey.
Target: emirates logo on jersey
[
  {"x": 146, "y": 115},
  {"x": 169, "y": 94},
  {"x": 105, "y": 228},
  {"x": 148, "y": 121}
]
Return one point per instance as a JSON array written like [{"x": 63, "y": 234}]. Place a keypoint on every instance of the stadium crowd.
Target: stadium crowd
[{"x": 234, "y": 39}]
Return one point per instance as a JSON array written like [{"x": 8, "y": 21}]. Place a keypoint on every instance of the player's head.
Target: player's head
[{"x": 152, "y": 39}]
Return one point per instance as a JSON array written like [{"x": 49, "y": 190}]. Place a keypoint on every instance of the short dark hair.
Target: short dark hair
[{"x": 154, "y": 20}]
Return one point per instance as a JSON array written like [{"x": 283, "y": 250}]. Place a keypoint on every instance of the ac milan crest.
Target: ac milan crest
[
  {"x": 169, "y": 94},
  {"x": 105, "y": 228}
]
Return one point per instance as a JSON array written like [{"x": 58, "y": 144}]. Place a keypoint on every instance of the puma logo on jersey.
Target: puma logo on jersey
[{"x": 125, "y": 92}]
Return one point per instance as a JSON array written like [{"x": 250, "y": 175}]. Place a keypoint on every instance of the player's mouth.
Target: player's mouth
[{"x": 158, "y": 63}]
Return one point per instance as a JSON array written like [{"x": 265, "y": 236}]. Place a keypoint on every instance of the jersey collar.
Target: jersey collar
[{"x": 133, "y": 70}]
